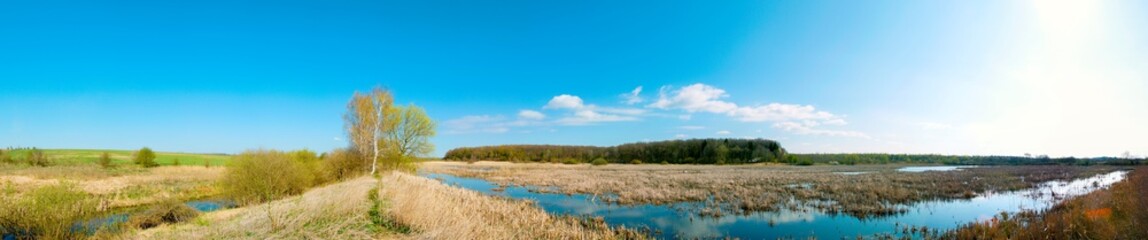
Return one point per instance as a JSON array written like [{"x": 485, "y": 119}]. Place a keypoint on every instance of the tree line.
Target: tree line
[{"x": 691, "y": 151}]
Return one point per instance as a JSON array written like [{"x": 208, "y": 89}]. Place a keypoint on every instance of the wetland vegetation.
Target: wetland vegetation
[
  {"x": 671, "y": 214},
  {"x": 745, "y": 189}
]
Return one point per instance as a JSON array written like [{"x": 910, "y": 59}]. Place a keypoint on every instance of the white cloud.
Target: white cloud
[
  {"x": 564, "y": 101},
  {"x": 476, "y": 123},
  {"x": 803, "y": 128},
  {"x": 573, "y": 111},
  {"x": 633, "y": 97},
  {"x": 799, "y": 119},
  {"x": 622, "y": 111},
  {"x": 680, "y": 136},
  {"x": 705, "y": 98},
  {"x": 692, "y": 127},
  {"x": 586, "y": 116},
  {"x": 837, "y": 122},
  {"x": 781, "y": 112},
  {"x": 531, "y": 115},
  {"x": 694, "y": 98}
]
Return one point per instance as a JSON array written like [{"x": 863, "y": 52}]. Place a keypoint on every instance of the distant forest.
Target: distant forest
[
  {"x": 740, "y": 151},
  {"x": 692, "y": 151}
]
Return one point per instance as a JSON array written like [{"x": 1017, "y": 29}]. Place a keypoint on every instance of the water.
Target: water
[
  {"x": 668, "y": 221},
  {"x": 110, "y": 220},
  {"x": 851, "y": 173},
  {"x": 210, "y": 205},
  {"x": 918, "y": 169},
  {"x": 90, "y": 226}
]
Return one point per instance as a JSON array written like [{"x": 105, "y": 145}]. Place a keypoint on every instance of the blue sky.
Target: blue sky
[{"x": 965, "y": 77}]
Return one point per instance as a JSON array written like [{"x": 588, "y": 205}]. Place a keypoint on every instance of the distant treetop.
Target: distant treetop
[{"x": 691, "y": 151}]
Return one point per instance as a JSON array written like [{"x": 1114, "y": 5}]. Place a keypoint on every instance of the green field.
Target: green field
[{"x": 121, "y": 157}]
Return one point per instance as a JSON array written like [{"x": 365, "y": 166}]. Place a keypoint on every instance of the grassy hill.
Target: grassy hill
[{"x": 120, "y": 157}]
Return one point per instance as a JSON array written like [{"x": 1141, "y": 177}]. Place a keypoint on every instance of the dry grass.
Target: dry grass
[
  {"x": 340, "y": 211},
  {"x": 744, "y": 189},
  {"x": 437, "y": 211},
  {"x": 45, "y": 212},
  {"x": 119, "y": 187},
  {"x": 337, "y": 211}
]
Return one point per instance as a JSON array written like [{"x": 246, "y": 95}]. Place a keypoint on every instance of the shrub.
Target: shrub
[
  {"x": 665, "y": 162},
  {"x": 105, "y": 160},
  {"x": 206, "y": 163},
  {"x": 311, "y": 164},
  {"x": 46, "y": 212},
  {"x": 599, "y": 162},
  {"x": 6, "y": 157},
  {"x": 804, "y": 162},
  {"x": 636, "y": 161},
  {"x": 343, "y": 164},
  {"x": 166, "y": 212},
  {"x": 145, "y": 157},
  {"x": 175, "y": 162},
  {"x": 257, "y": 176},
  {"x": 570, "y": 161},
  {"x": 36, "y": 157}
]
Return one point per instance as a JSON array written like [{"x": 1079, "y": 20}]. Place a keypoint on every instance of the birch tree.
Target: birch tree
[{"x": 363, "y": 125}]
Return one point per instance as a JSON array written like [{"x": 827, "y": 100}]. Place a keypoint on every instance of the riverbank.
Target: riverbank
[
  {"x": 418, "y": 208},
  {"x": 1116, "y": 212},
  {"x": 336, "y": 211}
]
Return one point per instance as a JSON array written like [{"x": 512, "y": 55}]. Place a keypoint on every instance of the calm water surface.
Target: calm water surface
[
  {"x": 932, "y": 168},
  {"x": 668, "y": 221},
  {"x": 90, "y": 226}
]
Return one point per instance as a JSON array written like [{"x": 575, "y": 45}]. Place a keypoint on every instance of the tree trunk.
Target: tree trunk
[{"x": 375, "y": 137}]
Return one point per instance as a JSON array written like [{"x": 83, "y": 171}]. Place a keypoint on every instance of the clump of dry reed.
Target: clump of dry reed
[
  {"x": 744, "y": 189},
  {"x": 166, "y": 212},
  {"x": 437, "y": 211}
]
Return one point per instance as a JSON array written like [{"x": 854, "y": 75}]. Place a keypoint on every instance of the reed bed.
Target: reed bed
[
  {"x": 437, "y": 211},
  {"x": 744, "y": 189}
]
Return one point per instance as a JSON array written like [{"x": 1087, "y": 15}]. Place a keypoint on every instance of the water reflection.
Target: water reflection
[{"x": 680, "y": 220}]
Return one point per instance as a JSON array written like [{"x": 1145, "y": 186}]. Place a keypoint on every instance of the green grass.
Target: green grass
[{"x": 123, "y": 157}]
